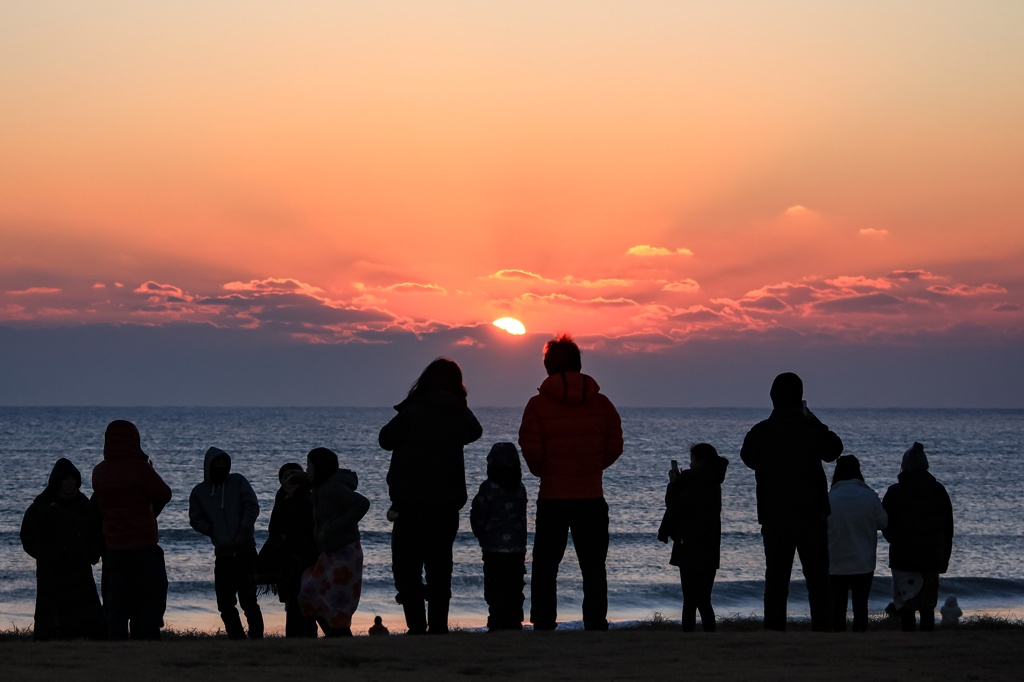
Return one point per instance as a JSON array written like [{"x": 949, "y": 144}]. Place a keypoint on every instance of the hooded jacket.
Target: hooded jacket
[
  {"x": 426, "y": 438},
  {"x": 64, "y": 531},
  {"x": 225, "y": 512},
  {"x": 857, "y": 516},
  {"x": 498, "y": 513},
  {"x": 786, "y": 451},
  {"x": 337, "y": 510},
  {"x": 570, "y": 433},
  {"x": 920, "y": 530},
  {"x": 129, "y": 491},
  {"x": 693, "y": 515}
]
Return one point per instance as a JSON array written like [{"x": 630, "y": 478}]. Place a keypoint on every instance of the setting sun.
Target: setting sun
[{"x": 511, "y": 325}]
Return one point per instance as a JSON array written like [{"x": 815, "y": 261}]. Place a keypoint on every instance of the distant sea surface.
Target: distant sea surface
[{"x": 977, "y": 454}]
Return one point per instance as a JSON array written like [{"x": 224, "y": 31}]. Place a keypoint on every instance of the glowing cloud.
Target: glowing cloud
[
  {"x": 646, "y": 250},
  {"x": 33, "y": 290},
  {"x": 511, "y": 325},
  {"x": 685, "y": 286},
  {"x": 873, "y": 232},
  {"x": 516, "y": 274},
  {"x": 415, "y": 288}
]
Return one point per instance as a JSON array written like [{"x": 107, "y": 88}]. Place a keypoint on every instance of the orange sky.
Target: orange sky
[{"x": 648, "y": 171}]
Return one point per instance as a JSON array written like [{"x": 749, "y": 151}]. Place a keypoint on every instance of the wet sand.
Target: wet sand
[{"x": 615, "y": 655}]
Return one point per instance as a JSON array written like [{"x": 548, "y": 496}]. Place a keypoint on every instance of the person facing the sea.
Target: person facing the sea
[
  {"x": 570, "y": 433},
  {"x": 62, "y": 531},
  {"x": 224, "y": 508},
  {"x": 427, "y": 486},
  {"x": 330, "y": 590},
  {"x": 920, "y": 535},
  {"x": 786, "y": 452},
  {"x": 131, "y": 495},
  {"x": 693, "y": 519},
  {"x": 498, "y": 518},
  {"x": 857, "y": 516}
]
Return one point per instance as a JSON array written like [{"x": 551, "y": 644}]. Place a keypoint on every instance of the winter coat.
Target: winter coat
[
  {"x": 427, "y": 438},
  {"x": 225, "y": 512},
  {"x": 291, "y": 530},
  {"x": 498, "y": 517},
  {"x": 129, "y": 491},
  {"x": 786, "y": 451},
  {"x": 570, "y": 433},
  {"x": 693, "y": 515},
  {"x": 337, "y": 510},
  {"x": 920, "y": 530},
  {"x": 857, "y": 516}
]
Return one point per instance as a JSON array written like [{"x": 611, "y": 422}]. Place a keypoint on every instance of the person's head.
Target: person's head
[
  {"x": 702, "y": 453},
  {"x": 121, "y": 439},
  {"x": 294, "y": 481},
  {"x": 503, "y": 465},
  {"x": 562, "y": 355},
  {"x": 443, "y": 375},
  {"x": 787, "y": 390},
  {"x": 287, "y": 470},
  {"x": 321, "y": 463},
  {"x": 217, "y": 465},
  {"x": 847, "y": 468},
  {"x": 65, "y": 479},
  {"x": 914, "y": 459}
]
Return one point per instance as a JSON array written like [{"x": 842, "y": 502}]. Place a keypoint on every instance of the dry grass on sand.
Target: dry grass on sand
[{"x": 634, "y": 654}]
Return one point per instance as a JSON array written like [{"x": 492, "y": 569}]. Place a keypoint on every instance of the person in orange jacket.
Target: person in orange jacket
[{"x": 570, "y": 433}]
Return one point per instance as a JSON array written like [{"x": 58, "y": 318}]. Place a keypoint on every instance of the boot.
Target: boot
[
  {"x": 438, "y": 616},
  {"x": 415, "y": 617},
  {"x": 255, "y": 620},
  {"x": 232, "y": 624}
]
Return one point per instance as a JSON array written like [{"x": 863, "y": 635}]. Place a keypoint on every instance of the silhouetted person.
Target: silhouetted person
[
  {"x": 291, "y": 532},
  {"x": 570, "y": 433},
  {"x": 62, "y": 532},
  {"x": 427, "y": 486},
  {"x": 224, "y": 508},
  {"x": 330, "y": 590},
  {"x": 378, "y": 629},
  {"x": 693, "y": 519},
  {"x": 131, "y": 495},
  {"x": 920, "y": 535},
  {"x": 857, "y": 516},
  {"x": 786, "y": 451},
  {"x": 498, "y": 518}
]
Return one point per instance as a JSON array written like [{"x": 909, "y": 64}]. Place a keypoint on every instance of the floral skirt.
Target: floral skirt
[{"x": 331, "y": 587}]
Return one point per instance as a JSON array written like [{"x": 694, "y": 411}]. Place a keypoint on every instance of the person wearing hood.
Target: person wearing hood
[
  {"x": 498, "y": 519},
  {"x": 131, "y": 495},
  {"x": 857, "y": 516},
  {"x": 224, "y": 508},
  {"x": 920, "y": 535},
  {"x": 786, "y": 452},
  {"x": 63, "y": 533},
  {"x": 330, "y": 590},
  {"x": 570, "y": 433},
  {"x": 693, "y": 520}
]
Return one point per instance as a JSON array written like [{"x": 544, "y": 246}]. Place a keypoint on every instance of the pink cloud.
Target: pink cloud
[
  {"x": 966, "y": 290},
  {"x": 415, "y": 288},
  {"x": 273, "y": 284},
  {"x": 155, "y": 289},
  {"x": 912, "y": 275},
  {"x": 32, "y": 291},
  {"x": 873, "y": 232},
  {"x": 876, "y": 303},
  {"x": 684, "y": 286},
  {"x": 516, "y": 274},
  {"x": 646, "y": 250}
]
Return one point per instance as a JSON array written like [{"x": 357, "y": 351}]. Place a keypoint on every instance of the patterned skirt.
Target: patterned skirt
[{"x": 331, "y": 587}]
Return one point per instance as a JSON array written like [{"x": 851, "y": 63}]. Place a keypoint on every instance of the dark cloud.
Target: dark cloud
[
  {"x": 877, "y": 303},
  {"x": 767, "y": 303},
  {"x": 1007, "y": 308}
]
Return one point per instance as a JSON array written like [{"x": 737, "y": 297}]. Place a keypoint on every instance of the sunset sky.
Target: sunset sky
[{"x": 258, "y": 202}]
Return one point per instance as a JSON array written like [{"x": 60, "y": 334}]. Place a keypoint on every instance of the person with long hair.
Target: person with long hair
[
  {"x": 427, "y": 486},
  {"x": 857, "y": 516}
]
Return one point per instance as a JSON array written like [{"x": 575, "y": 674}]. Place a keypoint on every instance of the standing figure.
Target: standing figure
[
  {"x": 570, "y": 433},
  {"x": 693, "y": 519},
  {"x": 62, "y": 532},
  {"x": 427, "y": 486},
  {"x": 920, "y": 535},
  {"x": 857, "y": 516},
  {"x": 131, "y": 495},
  {"x": 291, "y": 532},
  {"x": 498, "y": 518},
  {"x": 786, "y": 451},
  {"x": 224, "y": 508},
  {"x": 330, "y": 590}
]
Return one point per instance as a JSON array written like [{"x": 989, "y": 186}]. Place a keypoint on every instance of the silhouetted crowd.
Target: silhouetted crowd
[{"x": 570, "y": 433}]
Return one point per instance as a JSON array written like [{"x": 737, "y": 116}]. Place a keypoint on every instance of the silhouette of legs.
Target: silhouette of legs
[
  {"x": 134, "y": 585},
  {"x": 782, "y": 541},
  {"x": 233, "y": 574},
  {"x": 842, "y": 586},
  {"x": 503, "y": 589},
  {"x": 421, "y": 542},
  {"x": 697, "y": 585}
]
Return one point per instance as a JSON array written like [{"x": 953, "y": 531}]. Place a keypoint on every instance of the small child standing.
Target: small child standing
[
  {"x": 498, "y": 518},
  {"x": 693, "y": 519}
]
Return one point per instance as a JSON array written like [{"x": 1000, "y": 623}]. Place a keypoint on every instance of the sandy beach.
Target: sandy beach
[{"x": 615, "y": 655}]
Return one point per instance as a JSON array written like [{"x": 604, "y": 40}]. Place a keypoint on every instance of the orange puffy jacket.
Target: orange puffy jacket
[{"x": 569, "y": 435}]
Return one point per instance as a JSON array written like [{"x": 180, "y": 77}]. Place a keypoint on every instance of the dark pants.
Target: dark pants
[
  {"x": 67, "y": 605},
  {"x": 295, "y": 624},
  {"x": 503, "y": 589},
  {"x": 421, "y": 542},
  {"x": 235, "y": 574},
  {"x": 587, "y": 520},
  {"x": 134, "y": 592},
  {"x": 697, "y": 585},
  {"x": 781, "y": 541},
  {"x": 842, "y": 586},
  {"x": 923, "y": 602}
]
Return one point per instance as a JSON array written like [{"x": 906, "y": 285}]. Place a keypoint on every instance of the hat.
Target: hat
[{"x": 914, "y": 458}]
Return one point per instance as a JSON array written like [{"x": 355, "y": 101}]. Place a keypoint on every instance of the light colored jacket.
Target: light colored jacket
[{"x": 857, "y": 516}]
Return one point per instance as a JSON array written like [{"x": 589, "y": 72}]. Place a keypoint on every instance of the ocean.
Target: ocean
[{"x": 976, "y": 454}]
